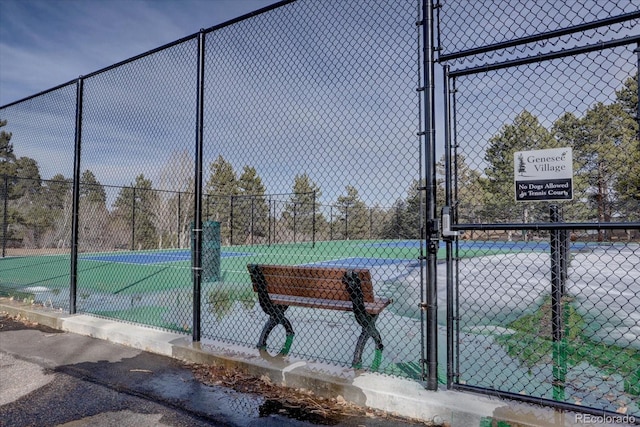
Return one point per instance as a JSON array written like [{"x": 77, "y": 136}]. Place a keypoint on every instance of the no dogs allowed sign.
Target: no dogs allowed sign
[{"x": 542, "y": 175}]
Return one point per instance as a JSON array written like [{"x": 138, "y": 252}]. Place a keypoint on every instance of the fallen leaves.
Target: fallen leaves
[{"x": 287, "y": 398}]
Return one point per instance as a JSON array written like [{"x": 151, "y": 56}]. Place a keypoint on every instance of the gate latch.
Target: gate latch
[{"x": 446, "y": 224}]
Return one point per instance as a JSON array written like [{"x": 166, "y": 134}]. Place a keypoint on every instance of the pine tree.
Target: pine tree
[
  {"x": 628, "y": 183},
  {"x": 251, "y": 211},
  {"x": 7, "y": 158},
  {"x": 303, "y": 209},
  {"x": 525, "y": 133},
  {"x": 220, "y": 190},
  {"x": 354, "y": 214},
  {"x": 135, "y": 209}
]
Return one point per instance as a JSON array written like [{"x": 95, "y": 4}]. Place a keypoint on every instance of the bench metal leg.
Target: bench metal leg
[
  {"x": 365, "y": 320},
  {"x": 274, "y": 311},
  {"x": 276, "y": 317},
  {"x": 369, "y": 330}
]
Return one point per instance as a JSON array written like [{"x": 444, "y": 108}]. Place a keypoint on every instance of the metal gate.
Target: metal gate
[{"x": 540, "y": 178}]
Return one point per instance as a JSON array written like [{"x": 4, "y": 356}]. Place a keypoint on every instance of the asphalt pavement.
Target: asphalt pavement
[{"x": 54, "y": 378}]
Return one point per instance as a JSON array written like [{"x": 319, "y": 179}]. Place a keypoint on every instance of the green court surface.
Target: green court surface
[{"x": 129, "y": 272}]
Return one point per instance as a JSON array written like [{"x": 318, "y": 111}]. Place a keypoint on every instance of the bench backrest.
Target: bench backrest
[{"x": 311, "y": 282}]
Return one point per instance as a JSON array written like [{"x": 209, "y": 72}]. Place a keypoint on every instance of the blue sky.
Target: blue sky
[
  {"x": 44, "y": 43},
  {"x": 316, "y": 87},
  {"x": 313, "y": 87}
]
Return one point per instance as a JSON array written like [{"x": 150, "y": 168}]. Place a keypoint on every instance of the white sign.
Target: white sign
[{"x": 542, "y": 175}]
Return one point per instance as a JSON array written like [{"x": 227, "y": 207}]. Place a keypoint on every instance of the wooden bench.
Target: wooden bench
[{"x": 281, "y": 286}]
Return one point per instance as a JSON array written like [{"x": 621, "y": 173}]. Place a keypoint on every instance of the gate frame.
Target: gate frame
[
  {"x": 430, "y": 228},
  {"x": 555, "y": 227}
]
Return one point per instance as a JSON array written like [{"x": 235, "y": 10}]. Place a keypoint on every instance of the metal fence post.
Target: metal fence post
[
  {"x": 637, "y": 52},
  {"x": 73, "y": 274},
  {"x": 269, "y": 224},
  {"x": 565, "y": 250},
  {"x": 253, "y": 199},
  {"x": 178, "y": 223},
  {"x": 448, "y": 194},
  {"x": 231, "y": 220},
  {"x": 346, "y": 222},
  {"x": 330, "y": 222},
  {"x": 5, "y": 198},
  {"x": 133, "y": 218},
  {"x": 197, "y": 205},
  {"x": 557, "y": 319},
  {"x": 398, "y": 225},
  {"x": 430, "y": 305}
]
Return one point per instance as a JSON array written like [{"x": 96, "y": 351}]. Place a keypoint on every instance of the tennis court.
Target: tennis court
[
  {"x": 161, "y": 270},
  {"x": 155, "y": 287}
]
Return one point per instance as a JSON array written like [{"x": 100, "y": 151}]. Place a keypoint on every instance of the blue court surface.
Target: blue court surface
[{"x": 153, "y": 258}]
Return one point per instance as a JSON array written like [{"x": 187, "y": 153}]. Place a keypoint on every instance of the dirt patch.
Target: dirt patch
[
  {"x": 36, "y": 252},
  {"x": 16, "y": 323},
  {"x": 294, "y": 403}
]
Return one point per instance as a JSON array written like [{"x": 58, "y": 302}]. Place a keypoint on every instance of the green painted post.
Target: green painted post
[
  {"x": 558, "y": 314},
  {"x": 211, "y": 251}
]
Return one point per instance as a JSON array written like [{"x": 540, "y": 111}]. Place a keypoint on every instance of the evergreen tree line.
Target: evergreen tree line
[
  {"x": 606, "y": 159},
  {"x": 39, "y": 213},
  {"x": 606, "y": 166}
]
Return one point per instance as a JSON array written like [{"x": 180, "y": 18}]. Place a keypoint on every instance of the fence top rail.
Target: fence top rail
[
  {"x": 154, "y": 50},
  {"x": 546, "y": 56},
  {"x": 549, "y": 226},
  {"x": 539, "y": 37}
]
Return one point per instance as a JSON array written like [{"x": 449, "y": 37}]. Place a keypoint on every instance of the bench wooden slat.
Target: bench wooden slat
[
  {"x": 330, "y": 304},
  {"x": 313, "y": 282}
]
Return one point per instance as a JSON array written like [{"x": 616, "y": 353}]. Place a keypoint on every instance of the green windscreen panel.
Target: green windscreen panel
[{"x": 210, "y": 250}]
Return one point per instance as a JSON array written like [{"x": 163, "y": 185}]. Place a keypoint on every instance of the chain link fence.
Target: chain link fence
[
  {"x": 310, "y": 157},
  {"x": 309, "y": 129},
  {"x": 312, "y": 112},
  {"x": 546, "y": 289}
]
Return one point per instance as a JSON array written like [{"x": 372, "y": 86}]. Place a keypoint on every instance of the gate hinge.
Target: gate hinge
[{"x": 433, "y": 225}]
